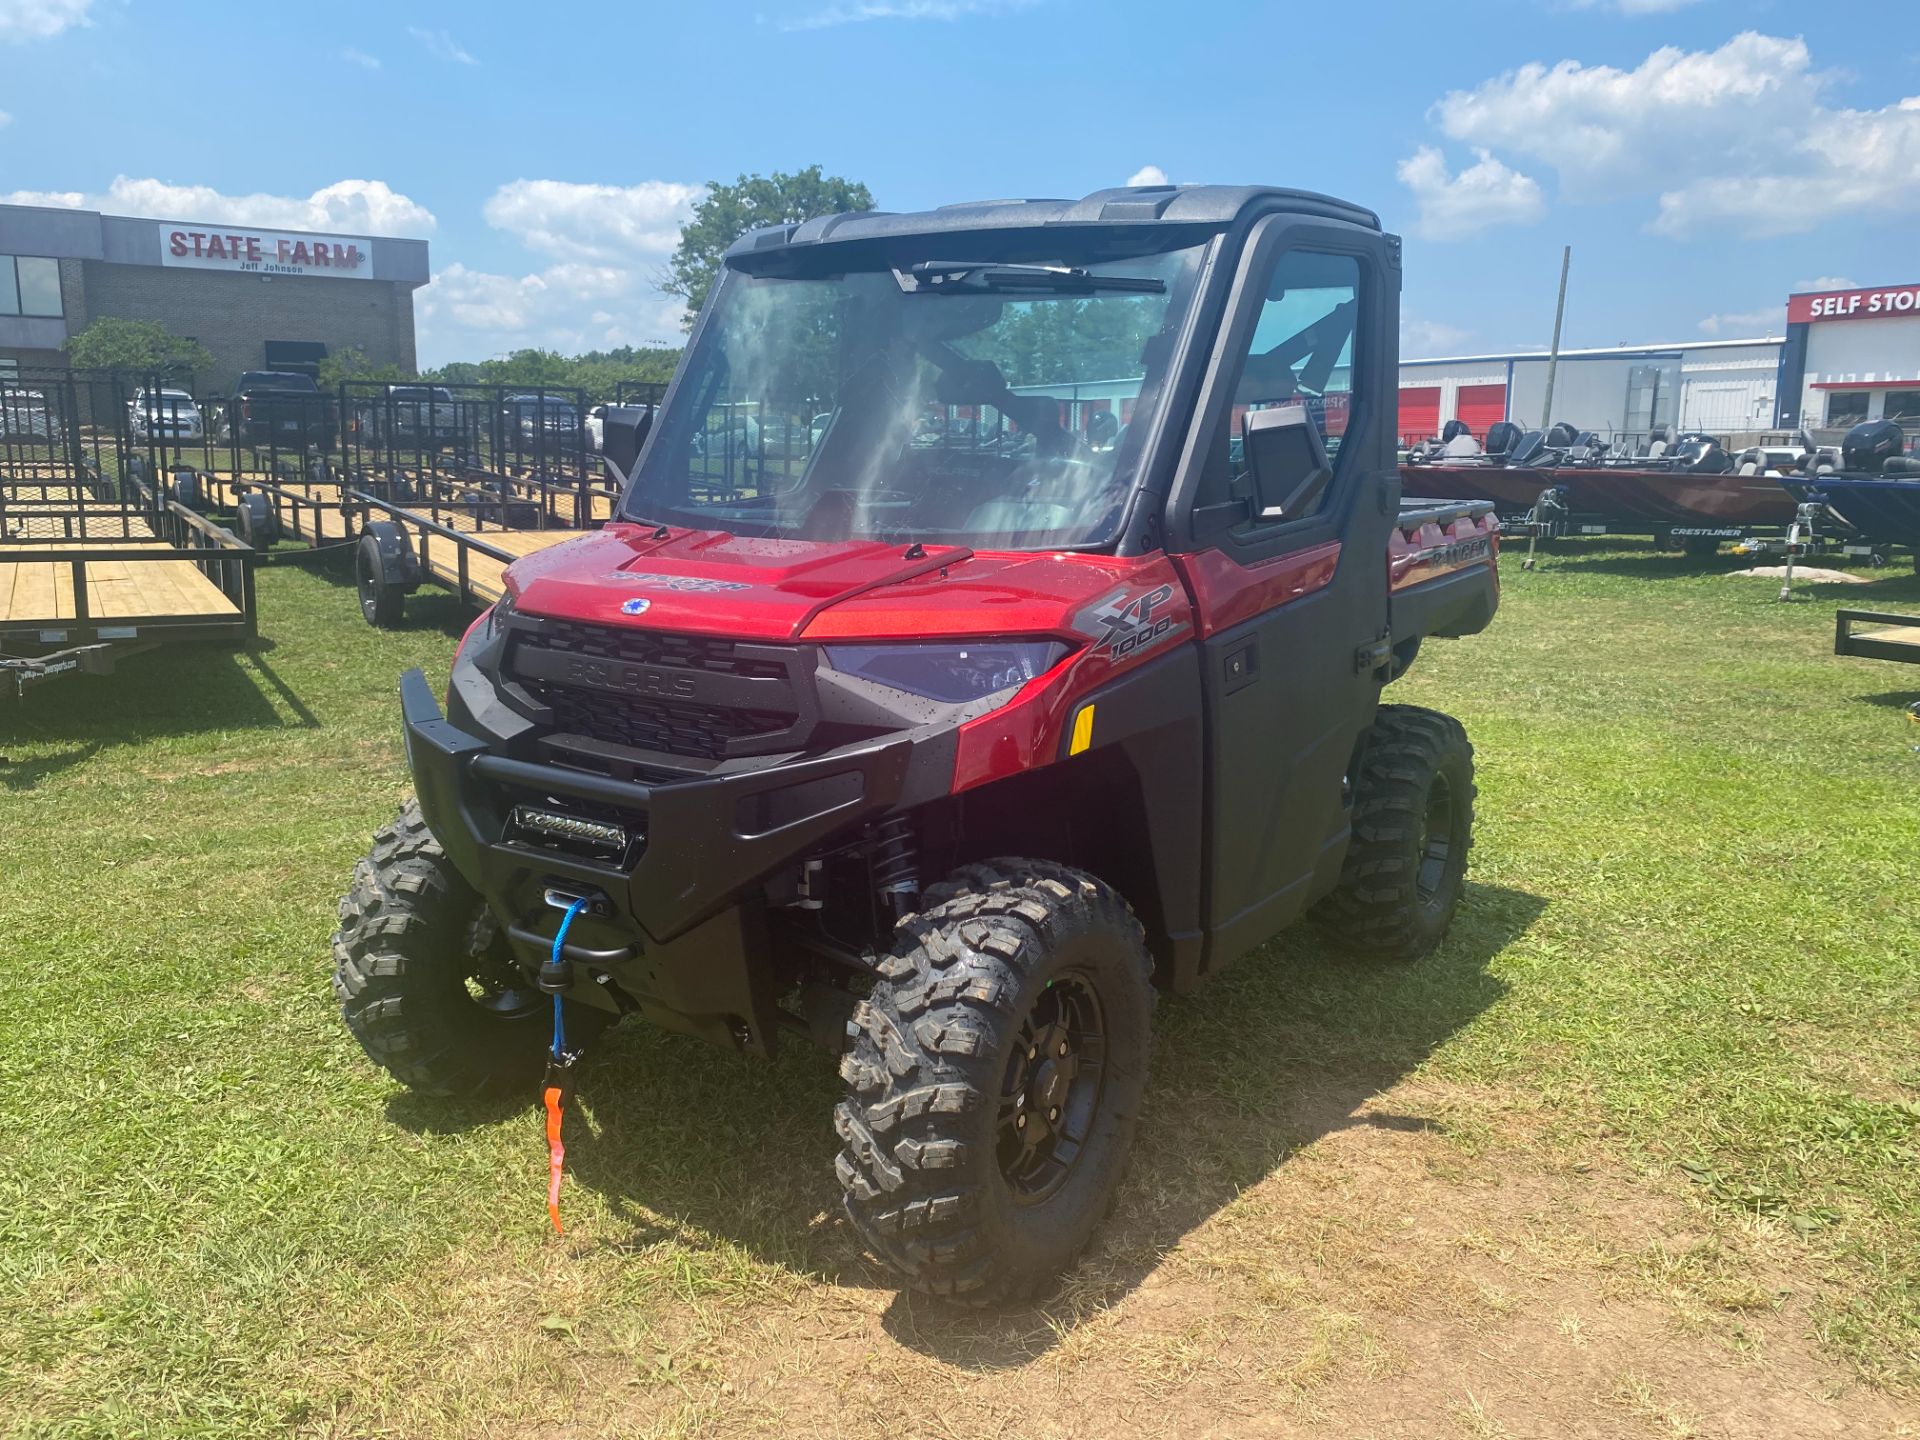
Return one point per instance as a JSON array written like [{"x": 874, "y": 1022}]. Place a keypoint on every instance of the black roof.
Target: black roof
[{"x": 1200, "y": 205}]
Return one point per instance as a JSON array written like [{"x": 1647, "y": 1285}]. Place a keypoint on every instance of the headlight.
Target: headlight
[{"x": 949, "y": 672}]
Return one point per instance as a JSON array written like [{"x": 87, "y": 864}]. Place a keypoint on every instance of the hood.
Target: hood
[{"x": 711, "y": 583}]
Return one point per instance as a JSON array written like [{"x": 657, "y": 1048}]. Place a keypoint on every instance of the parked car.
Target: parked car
[
  {"x": 165, "y": 415},
  {"x": 410, "y": 416},
  {"x": 24, "y": 415},
  {"x": 280, "y": 408},
  {"x": 541, "y": 422}
]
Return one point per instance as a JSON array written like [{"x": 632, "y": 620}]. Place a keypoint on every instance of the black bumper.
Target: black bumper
[{"x": 677, "y": 926}]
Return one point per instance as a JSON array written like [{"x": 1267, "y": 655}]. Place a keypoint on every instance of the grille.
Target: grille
[
  {"x": 655, "y": 723},
  {"x": 650, "y": 647},
  {"x": 701, "y": 730}
]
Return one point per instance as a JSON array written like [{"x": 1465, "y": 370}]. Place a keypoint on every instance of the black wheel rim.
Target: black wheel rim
[
  {"x": 1050, "y": 1097},
  {"x": 1436, "y": 840},
  {"x": 492, "y": 981}
]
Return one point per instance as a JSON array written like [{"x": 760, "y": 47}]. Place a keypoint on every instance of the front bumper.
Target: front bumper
[{"x": 676, "y": 927}]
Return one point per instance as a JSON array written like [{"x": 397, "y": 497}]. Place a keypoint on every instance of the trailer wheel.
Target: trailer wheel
[
  {"x": 255, "y": 520},
  {"x": 994, "y": 1076},
  {"x": 383, "y": 589},
  {"x": 186, "y": 488},
  {"x": 426, "y": 981},
  {"x": 1406, "y": 863},
  {"x": 1701, "y": 547}
]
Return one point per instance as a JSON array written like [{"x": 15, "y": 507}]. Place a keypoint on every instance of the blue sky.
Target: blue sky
[{"x": 1703, "y": 157}]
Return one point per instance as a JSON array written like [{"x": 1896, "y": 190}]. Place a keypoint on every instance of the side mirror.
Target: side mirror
[{"x": 1286, "y": 462}]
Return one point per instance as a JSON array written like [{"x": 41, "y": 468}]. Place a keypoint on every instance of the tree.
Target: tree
[
  {"x": 729, "y": 211},
  {"x": 142, "y": 346},
  {"x": 352, "y": 364}
]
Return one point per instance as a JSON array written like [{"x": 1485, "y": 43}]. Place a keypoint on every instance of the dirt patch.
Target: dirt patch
[
  {"x": 1380, "y": 1281},
  {"x": 1808, "y": 574}
]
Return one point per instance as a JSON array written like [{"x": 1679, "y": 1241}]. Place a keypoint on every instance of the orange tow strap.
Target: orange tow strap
[{"x": 556, "y": 1153}]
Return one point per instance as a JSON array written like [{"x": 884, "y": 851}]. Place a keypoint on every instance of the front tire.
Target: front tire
[
  {"x": 426, "y": 981},
  {"x": 1406, "y": 864},
  {"x": 994, "y": 1080}
]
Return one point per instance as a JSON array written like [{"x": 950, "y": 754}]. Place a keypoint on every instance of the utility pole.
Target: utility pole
[{"x": 1553, "y": 356}]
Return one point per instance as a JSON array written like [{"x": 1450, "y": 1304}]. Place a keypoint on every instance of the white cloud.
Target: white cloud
[
  {"x": 600, "y": 223},
  {"x": 360, "y": 58},
  {"x": 1485, "y": 194},
  {"x": 442, "y": 46},
  {"x": 23, "y": 20},
  {"x": 358, "y": 207},
  {"x": 1743, "y": 323},
  {"x": 1149, "y": 175},
  {"x": 1428, "y": 338},
  {"x": 1744, "y": 128},
  {"x": 864, "y": 10},
  {"x": 1824, "y": 282},
  {"x": 470, "y": 314}
]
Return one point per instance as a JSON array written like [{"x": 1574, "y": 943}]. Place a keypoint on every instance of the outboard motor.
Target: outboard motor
[
  {"x": 1501, "y": 436},
  {"x": 1454, "y": 430},
  {"x": 1528, "y": 449},
  {"x": 1702, "y": 454},
  {"x": 1562, "y": 436},
  {"x": 1870, "y": 444}
]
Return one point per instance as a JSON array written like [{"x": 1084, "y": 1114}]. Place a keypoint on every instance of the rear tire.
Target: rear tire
[
  {"x": 1406, "y": 864},
  {"x": 974, "y": 1164},
  {"x": 427, "y": 983}
]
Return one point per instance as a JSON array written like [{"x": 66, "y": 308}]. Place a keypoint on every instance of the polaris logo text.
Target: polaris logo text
[{"x": 637, "y": 679}]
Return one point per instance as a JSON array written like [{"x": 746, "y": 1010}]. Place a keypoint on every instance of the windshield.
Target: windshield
[{"x": 958, "y": 402}]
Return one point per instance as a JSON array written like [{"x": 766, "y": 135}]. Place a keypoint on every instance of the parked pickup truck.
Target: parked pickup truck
[
  {"x": 281, "y": 409},
  {"x": 949, "y": 758},
  {"x": 410, "y": 417}
]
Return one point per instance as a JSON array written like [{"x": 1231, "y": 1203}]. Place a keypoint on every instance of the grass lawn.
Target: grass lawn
[{"x": 1635, "y": 1153}]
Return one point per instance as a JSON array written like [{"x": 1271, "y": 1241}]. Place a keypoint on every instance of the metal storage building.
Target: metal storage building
[{"x": 1721, "y": 386}]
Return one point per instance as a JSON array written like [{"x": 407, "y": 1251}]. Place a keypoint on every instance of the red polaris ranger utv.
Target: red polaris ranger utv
[{"x": 991, "y": 634}]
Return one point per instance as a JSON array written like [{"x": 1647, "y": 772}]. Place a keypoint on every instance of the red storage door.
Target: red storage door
[
  {"x": 1478, "y": 405},
  {"x": 1419, "y": 411}
]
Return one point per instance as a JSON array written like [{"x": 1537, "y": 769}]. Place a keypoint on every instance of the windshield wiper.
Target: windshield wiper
[{"x": 974, "y": 276}]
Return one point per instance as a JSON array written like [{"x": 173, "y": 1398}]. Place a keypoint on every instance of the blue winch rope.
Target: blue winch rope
[{"x": 559, "y": 942}]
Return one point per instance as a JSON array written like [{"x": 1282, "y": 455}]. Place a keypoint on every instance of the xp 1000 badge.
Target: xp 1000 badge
[{"x": 1127, "y": 622}]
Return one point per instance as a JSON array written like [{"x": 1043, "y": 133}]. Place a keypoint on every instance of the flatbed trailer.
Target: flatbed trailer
[
  {"x": 1877, "y": 635},
  {"x": 91, "y": 571},
  {"x": 455, "y": 529}
]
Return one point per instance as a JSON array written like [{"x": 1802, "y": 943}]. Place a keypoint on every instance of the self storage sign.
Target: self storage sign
[
  {"x": 264, "y": 252},
  {"x": 1888, "y": 300}
]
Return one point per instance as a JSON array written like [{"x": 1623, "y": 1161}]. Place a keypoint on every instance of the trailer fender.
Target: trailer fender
[
  {"x": 256, "y": 521},
  {"x": 399, "y": 566}
]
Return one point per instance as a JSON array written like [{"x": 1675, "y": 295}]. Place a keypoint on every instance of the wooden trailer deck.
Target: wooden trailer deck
[
  {"x": 442, "y": 558},
  {"x": 117, "y": 590},
  {"x": 1877, "y": 635}
]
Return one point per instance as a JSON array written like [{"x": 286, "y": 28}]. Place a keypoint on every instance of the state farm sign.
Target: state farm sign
[
  {"x": 1855, "y": 304},
  {"x": 264, "y": 252}
]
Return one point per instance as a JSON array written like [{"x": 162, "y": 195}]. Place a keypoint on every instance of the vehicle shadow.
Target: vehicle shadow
[
  {"x": 175, "y": 690},
  {"x": 1891, "y": 699},
  {"x": 687, "y": 1143}
]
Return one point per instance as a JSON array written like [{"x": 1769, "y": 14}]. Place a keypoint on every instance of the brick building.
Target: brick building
[{"x": 257, "y": 299}]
